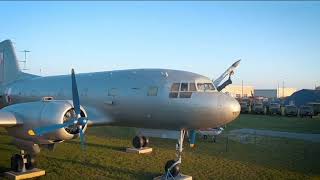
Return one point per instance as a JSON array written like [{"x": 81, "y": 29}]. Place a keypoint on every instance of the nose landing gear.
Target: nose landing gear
[{"x": 172, "y": 167}]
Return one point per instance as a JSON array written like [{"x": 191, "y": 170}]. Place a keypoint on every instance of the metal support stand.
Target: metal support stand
[
  {"x": 24, "y": 161},
  {"x": 24, "y": 173}
]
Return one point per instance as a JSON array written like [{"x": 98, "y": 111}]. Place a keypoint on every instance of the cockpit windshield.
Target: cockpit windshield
[
  {"x": 185, "y": 89},
  {"x": 205, "y": 87}
]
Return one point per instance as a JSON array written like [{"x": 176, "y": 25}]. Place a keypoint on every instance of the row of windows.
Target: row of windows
[
  {"x": 152, "y": 91},
  {"x": 181, "y": 90}
]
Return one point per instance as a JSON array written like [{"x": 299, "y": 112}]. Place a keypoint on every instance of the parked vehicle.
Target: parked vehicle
[
  {"x": 291, "y": 110},
  {"x": 274, "y": 108},
  {"x": 245, "y": 107},
  {"x": 316, "y": 107},
  {"x": 258, "y": 108},
  {"x": 306, "y": 111}
]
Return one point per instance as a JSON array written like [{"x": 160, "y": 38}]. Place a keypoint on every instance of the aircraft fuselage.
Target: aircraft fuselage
[{"x": 136, "y": 98}]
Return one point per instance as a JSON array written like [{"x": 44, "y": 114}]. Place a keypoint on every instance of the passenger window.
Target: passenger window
[
  {"x": 153, "y": 91},
  {"x": 175, "y": 87},
  {"x": 184, "y": 87},
  {"x": 192, "y": 87}
]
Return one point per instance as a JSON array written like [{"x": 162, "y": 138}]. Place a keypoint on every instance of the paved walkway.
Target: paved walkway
[{"x": 300, "y": 136}]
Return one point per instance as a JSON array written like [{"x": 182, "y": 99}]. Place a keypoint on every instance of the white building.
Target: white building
[
  {"x": 275, "y": 93},
  {"x": 239, "y": 91}
]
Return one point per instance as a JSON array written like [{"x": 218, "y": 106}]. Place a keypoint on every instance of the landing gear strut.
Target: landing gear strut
[
  {"x": 172, "y": 167},
  {"x": 22, "y": 162}
]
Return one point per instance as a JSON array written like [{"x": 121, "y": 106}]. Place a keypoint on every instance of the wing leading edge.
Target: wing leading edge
[{"x": 8, "y": 119}]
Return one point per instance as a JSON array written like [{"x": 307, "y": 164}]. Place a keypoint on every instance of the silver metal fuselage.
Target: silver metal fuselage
[{"x": 121, "y": 98}]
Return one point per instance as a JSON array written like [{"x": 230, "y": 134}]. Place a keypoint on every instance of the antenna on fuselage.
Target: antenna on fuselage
[{"x": 25, "y": 59}]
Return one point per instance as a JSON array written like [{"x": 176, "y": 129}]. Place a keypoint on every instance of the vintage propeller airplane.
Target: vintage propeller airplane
[{"x": 39, "y": 112}]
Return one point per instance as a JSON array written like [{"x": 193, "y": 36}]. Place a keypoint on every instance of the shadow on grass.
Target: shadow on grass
[
  {"x": 118, "y": 170},
  {"x": 115, "y": 148},
  {"x": 3, "y": 133},
  {"x": 3, "y": 170}
]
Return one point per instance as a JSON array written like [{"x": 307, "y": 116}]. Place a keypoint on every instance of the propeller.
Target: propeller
[
  {"x": 192, "y": 138},
  {"x": 78, "y": 121}
]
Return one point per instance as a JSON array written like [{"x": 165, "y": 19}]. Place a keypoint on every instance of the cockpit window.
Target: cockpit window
[
  {"x": 184, "y": 87},
  {"x": 175, "y": 87},
  {"x": 181, "y": 90},
  {"x": 192, "y": 87},
  {"x": 174, "y": 90},
  {"x": 205, "y": 87}
]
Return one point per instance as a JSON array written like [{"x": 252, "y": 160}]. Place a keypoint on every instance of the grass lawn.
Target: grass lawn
[
  {"x": 104, "y": 157},
  {"x": 277, "y": 123}
]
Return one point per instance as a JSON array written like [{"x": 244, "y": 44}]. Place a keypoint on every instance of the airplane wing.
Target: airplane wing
[
  {"x": 229, "y": 71},
  {"x": 8, "y": 119}
]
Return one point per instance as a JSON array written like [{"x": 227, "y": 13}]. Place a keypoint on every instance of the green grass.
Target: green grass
[
  {"x": 277, "y": 123},
  {"x": 104, "y": 158}
]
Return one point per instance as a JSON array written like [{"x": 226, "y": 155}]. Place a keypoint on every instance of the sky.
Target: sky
[{"x": 278, "y": 42}]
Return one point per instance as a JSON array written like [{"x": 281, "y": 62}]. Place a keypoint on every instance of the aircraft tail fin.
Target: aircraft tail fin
[
  {"x": 9, "y": 67},
  {"x": 228, "y": 72}
]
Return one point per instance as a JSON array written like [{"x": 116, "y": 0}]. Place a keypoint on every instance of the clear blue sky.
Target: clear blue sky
[{"x": 277, "y": 41}]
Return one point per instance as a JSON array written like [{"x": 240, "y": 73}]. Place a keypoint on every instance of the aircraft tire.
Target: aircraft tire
[
  {"x": 145, "y": 141},
  {"x": 137, "y": 142},
  {"x": 31, "y": 163},
  {"x": 175, "y": 170},
  {"x": 205, "y": 137},
  {"x": 16, "y": 163}
]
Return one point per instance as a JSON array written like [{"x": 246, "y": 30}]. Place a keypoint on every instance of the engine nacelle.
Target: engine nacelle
[{"x": 41, "y": 114}]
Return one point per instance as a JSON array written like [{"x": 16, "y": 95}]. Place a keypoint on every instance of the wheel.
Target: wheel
[
  {"x": 214, "y": 139},
  {"x": 17, "y": 163},
  {"x": 205, "y": 137},
  {"x": 137, "y": 142},
  {"x": 175, "y": 170},
  {"x": 31, "y": 162},
  {"x": 145, "y": 141}
]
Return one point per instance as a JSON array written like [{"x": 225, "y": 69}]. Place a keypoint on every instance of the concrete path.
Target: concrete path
[{"x": 290, "y": 135}]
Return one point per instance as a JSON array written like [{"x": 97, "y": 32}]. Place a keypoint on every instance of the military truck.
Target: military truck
[
  {"x": 291, "y": 110},
  {"x": 274, "y": 108},
  {"x": 245, "y": 107},
  {"x": 316, "y": 107},
  {"x": 306, "y": 111},
  {"x": 258, "y": 108}
]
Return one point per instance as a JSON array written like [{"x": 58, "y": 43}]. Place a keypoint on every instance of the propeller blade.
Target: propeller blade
[
  {"x": 192, "y": 137},
  {"x": 82, "y": 138},
  {"x": 47, "y": 129},
  {"x": 75, "y": 95}
]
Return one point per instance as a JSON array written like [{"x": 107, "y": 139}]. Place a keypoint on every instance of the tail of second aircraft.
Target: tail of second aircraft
[{"x": 9, "y": 67}]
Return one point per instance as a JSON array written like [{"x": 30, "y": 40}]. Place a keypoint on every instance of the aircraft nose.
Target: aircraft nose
[{"x": 232, "y": 108}]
